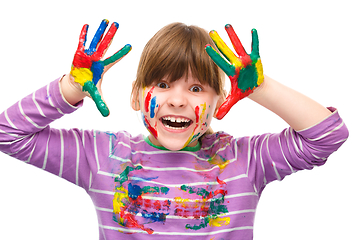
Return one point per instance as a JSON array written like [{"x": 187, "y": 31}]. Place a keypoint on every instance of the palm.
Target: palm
[
  {"x": 245, "y": 71},
  {"x": 88, "y": 68}
]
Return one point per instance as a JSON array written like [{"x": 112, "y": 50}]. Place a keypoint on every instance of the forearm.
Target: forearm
[{"x": 298, "y": 110}]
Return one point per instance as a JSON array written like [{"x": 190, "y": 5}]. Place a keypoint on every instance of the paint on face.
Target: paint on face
[
  {"x": 152, "y": 107},
  {"x": 198, "y": 124},
  {"x": 151, "y": 129},
  {"x": 148, "y": 99}
]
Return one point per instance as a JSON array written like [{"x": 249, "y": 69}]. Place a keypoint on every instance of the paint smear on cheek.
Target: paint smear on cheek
[
  {"x": 152, "y": 107},
  {"x": 199, "y": 117},
  {"x": 148, "y": 99},
  {"x": 152, "y": 129}
]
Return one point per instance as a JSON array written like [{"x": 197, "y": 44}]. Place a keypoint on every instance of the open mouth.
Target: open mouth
[{"x": 176, "y": 122}]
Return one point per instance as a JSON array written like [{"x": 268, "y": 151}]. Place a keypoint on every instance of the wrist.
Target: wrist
[
  {"x": 71, "y": 90},
  {"x": 259, "y": 90}
]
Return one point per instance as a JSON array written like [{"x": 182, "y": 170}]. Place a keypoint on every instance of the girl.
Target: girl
[{"x": 181, "y": 181}]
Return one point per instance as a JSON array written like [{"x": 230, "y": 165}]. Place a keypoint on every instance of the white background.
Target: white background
[{"x": 312, "y": 46}]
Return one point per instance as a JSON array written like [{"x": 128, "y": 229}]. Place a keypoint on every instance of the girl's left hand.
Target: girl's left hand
[{"x": 245, "y": 71}]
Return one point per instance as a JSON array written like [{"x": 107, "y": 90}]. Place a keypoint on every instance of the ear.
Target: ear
[
  {"x": 220, "y": 101},
  {"x": 135, "y": 103}
]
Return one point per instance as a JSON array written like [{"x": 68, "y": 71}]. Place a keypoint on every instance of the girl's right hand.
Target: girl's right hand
[{"x": 88, "y": 69}]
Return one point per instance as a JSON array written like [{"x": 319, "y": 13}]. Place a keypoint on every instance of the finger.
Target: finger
[
  {"x": 118, "y": 55},
  {"x": 224, "y": 49},
  {"x": 96, "y": 97},
  {"x": 220, "y": 61},
  {"x": 105, "y": 43},
  {"x": 82, "y": 38},
  {"x": 255, "y": 44},
  {"x": 235, "y": 41},
  {"x": 97, "y": 37}
]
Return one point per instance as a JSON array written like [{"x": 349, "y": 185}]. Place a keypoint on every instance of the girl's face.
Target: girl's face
[{"x": 178, "y": 113}]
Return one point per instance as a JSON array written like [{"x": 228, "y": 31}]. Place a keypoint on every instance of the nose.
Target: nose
[{"x": 177, "y": 98}]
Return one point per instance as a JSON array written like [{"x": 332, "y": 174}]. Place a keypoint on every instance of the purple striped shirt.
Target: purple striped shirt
[{"x": 141, "y": 191}]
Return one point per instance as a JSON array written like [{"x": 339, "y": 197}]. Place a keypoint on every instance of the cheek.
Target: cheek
[
  {"x": 149, "y": 109},
  {"x": 203, "y": 118}
]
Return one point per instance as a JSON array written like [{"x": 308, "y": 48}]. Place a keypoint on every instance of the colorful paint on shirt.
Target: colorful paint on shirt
[{"x": 129, "y": 203}]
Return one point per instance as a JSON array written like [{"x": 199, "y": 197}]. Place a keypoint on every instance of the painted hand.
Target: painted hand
[
  {"x": 88, "y": 68},
  {"x": 245, "y": 71}
]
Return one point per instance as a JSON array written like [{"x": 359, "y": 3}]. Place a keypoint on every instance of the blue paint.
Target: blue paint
[
  {"x": 134, "y": 191},
  {"x": 154, "y": 216},
  {"x": 152, "y": 107},
  {"x": 97, "y": 37},
  {"x": 97, "y": 68}
]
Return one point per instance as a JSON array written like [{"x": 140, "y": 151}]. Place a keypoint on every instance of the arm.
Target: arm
[
  {"x": 299, "y": 111},
  {"x": 25, "y": 133}
]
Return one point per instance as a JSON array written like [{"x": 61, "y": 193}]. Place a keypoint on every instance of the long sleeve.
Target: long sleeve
[
  {"x": 25, "y": 134},
  {"x": 274, "y": 156}
]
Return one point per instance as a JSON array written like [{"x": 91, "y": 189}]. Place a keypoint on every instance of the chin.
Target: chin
[{"x": 174, "y": 146}]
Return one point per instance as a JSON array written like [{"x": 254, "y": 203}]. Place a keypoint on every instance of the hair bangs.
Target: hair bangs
[{"x": 178, "y": 51}]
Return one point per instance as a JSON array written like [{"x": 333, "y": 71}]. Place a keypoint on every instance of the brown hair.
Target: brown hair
[{"x": 175, "y": 50}]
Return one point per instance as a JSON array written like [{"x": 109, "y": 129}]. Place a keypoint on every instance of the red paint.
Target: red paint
[
  {"x": 221, "y": 182},
  {"x": 220, "y": 191},
  {"x": 235, "y": 95},
  {"x": 132, "y": 223},
  {"x": 83, "y": 60},
  {"x": 245, "y": 58},
  {"x": 148, "y": 99},
  {"x": 151, "y": 129},
  {"x": 197, "y": 113}
]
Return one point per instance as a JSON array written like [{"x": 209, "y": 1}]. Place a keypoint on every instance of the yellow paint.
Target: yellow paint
[
  {"x": 81, "y": 75},
  {"x": 117, "y": 200},
  {"x": 202, "y": 112},
  {"x": 225, "y": 49},
  {"x": 219, "y": 222},
  {"x": 198, "y": 124},
  {"x": 216, "y": 160},
  {"x": 260, "y": 72}
]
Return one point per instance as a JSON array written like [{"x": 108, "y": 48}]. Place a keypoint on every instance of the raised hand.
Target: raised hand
[
  {"x": 245, "y": 71},
  {"x": 88, "y": 68}
]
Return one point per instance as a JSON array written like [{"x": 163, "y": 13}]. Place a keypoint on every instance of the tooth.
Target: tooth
[
  {"x": 178, "y": 120},
  {"x": 172, "y": 119}
]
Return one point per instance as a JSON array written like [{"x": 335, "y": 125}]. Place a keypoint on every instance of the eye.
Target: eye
[
  {"x": 162, "y": 85},
  {"x": 196, "y": 89}
]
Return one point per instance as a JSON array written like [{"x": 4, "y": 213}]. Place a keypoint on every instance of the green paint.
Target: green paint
[
  {"x": 164, "y": 190},
  {"x": 221, "y": 62},
  {"x": 123, "y": 177},
  {"x": 156, "y": 190},
  {"x": 96, "y": 97},
  {"x": 255, "y": 45},
  {"x": 198, "y": 191},
  {"x": 204, "y": 223},
  {"x": 120, "y": 54},
  {"x": 248, "y": 78}
]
